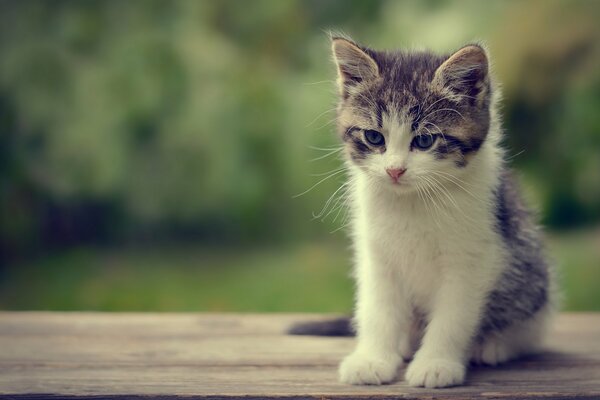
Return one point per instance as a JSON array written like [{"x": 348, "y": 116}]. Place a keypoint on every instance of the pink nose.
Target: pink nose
[{"x": 395, "y": 173}]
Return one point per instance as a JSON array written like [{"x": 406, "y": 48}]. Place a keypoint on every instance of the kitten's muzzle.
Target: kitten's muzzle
[{"x": 395, "y": 173}]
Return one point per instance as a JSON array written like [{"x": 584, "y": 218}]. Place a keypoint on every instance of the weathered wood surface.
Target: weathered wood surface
[{"x": 135, "y": 355}]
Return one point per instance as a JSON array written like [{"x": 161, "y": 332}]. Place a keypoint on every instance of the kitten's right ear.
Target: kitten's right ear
[
  {"x": 465, "y": 72},
  {"x": 353, "y": 63}
]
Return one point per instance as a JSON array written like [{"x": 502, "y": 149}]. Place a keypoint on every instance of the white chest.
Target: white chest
[
  {"x": 407, "y": 244},
  {"x": 416, "y": 246}
]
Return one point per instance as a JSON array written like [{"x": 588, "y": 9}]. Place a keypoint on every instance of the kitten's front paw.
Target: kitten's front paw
[
  {"x": 435, "y": 373},
  {"x": 361, "y": 369}
]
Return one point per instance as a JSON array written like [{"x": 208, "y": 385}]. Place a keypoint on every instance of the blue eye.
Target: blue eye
[
  {"x": 375, "y": 138},
  {"x": 423, "y": 142}
]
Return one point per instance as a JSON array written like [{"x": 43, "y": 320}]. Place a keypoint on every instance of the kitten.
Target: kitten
[{"x": 449, "y": 265}]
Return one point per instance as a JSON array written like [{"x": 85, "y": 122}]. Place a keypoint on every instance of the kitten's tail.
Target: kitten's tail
[{"x": 334, "y": 327}]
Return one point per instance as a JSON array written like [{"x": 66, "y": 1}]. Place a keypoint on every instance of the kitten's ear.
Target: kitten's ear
[
  {"x": 354, "y": 64},
  {"x": 465, "y": 72}
]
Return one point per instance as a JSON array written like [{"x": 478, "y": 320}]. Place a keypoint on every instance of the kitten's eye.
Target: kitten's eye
[
  {"x": 423, "y": 142},
  {"x": 375, "y": 138}
]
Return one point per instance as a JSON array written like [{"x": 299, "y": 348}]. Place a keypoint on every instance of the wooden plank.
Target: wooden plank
[{"x": 155, "y": 356}]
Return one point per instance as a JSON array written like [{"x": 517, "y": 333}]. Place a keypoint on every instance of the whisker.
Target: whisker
[
  {"x": 329, "y": 172},
  {"x": 458, "y": 182},
  {"x": 318, "y": 183},
  {"x": 326, "y": 124},
  {"x": 326, "y": 155},
  {"x": 445, "y": 109},
  {"x": 438, "y": 131},
  {"x": 318, "y": 83},
  {"x": 515, "y": 155},
  {"x": 427, "y": 191},
  {"x": 324, "y": 209},
  {"x": 325, "y": 148},
  {"x": 336, "y": 205},
  {"x": 455, "y": 178},
  {"x": 433, "y": 104},
  {"x": 436, "y": 194},
  {"x": 443, "y": 190},
  {"x": 451, "y": 198},
  {"x": 344, "y": 207},
  {"x": 320, "y": 115}
]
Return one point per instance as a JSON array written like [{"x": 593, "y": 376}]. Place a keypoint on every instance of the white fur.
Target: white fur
[{"x": 440, "y": 259}]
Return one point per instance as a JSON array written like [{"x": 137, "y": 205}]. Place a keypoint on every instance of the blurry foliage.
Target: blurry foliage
[
  {"x": 304, "y": 277},
  {"x": 157, "y": 119}
]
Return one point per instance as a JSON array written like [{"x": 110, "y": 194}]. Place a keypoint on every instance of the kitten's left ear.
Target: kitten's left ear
[
  {"x": 465, "y": 72},
  {"x": 354, "y": 64}
]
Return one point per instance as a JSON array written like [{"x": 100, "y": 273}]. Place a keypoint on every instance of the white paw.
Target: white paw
[
  {"x": 434, "y": 372},
  {"x": 491, "y": 352},
  {"x": 361, "y": 369}
]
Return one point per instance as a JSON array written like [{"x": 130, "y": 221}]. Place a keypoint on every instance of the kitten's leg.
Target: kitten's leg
[
  {"x": 453, "y": 319},
  {"x": 525, "y": 337},
  {"x": 382, "y": 324}
]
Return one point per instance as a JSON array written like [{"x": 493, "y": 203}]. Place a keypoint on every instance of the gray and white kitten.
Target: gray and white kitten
[{"x": 449, "y": 264}]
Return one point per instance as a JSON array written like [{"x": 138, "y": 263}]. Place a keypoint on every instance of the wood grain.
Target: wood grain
[{"x": 167, "y": 356}]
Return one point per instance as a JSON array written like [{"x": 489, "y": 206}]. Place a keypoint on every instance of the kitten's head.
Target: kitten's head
[{"x": 407, "y": 117}]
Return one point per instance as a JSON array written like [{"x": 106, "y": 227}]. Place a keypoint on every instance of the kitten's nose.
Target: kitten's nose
[{"x": 395, "y": 173}]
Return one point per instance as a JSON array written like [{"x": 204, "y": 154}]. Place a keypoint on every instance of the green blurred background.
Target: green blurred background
[{"x": 150, "y": 151}]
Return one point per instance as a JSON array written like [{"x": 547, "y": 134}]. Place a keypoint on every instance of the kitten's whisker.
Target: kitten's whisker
[
  {"x": 326, "y": 124},
  {"x": 340, "y": 228},
  {"x": 427, "y": 191},
  {"x": 440, "y": 132},
  {"x": 328, "y": 172},
  {"x": 434, "y": 125},
  {"x": 318, "y": 83},
  {"x": 445, "y": 109},
  {"x": 447, "y": 193},
  {"x": 454, "y": 178},
  {"x": 324, "y": 209},
  {"x": 418, "y": 187},
  {"x": 319, "y": 116},
  {"x": 344, "y": 207},
  {"x": 436, "y": 194},
  {"x": 439, "y": 190},
  {"x": 345, "y": 221},
  {"x": 421, "y": 195},
  {"x": 515, "y": 155},
  {"x": 428, "y": 131},
  {"x": 338, "y": 206},
  {"x": 457, "y": 181},
  {"x": 443, "y": 190},
  {"x": 318, "y": 183},
  {"x": 325, "y": 155},
  {"x": 461, "y": 96},
  {"x": 451, "y": 176},
  {"x": 433, "y": 104},
  {"x": 334, "y": 204},
  {"x": 325, "y": 148}
]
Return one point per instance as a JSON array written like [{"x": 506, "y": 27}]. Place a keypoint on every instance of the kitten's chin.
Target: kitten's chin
[{"x": 400, "y": 188}]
